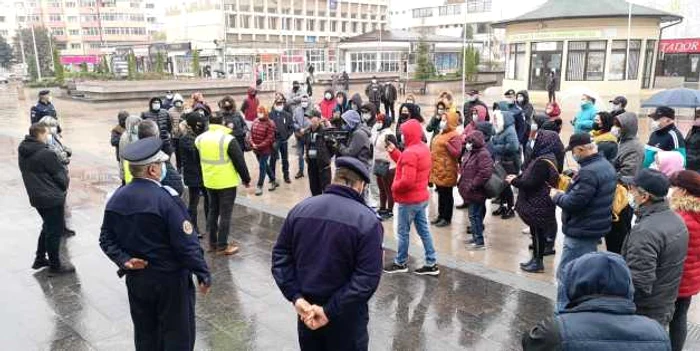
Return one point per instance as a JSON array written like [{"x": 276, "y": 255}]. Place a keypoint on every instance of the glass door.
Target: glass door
[
  {"x": 545, "y": 57},
  {"x": 648, "y": 64}
]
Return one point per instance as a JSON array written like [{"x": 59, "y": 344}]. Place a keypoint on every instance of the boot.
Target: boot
[
  {"x": 63, "y": 268},
  {"x": 40, "y": 262},
  {"x": 299, "y": 175},
  {"x": 435, "y": 221},
  {"x": 549, "y": 249},
  {"x": 525, "y": 264},
  {"x": 536, "y": 266},
  {"x": 508, "y": 214},
  {"x": 67, "y": 232},
  {"x": 286, "y": 179},
  {"x": 500, "y": 211},
  {"x": 442, "y": 223}
]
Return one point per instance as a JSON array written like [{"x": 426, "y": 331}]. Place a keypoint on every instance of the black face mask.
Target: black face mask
[
  {"x": 596, "y": 126},
  {"x": 405, "y": 116}
]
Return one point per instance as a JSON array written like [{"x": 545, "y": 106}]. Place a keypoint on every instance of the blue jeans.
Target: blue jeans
[
  {"x": 283, "y": 152},
  {"x": 264, "y": 169},
  {"x": 477, "y": 212},
  {"x": 573, "y": 249},
  {"x": 300, "y": 154},
  {"x": 414, "y": 213}
]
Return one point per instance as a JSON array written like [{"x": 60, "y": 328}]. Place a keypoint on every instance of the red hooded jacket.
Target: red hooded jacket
[
  {"x": 250, "y": 106},
  {"x": 688, "y": 207},
  {"x": 412, "y": 166},
  {"x": 327, "y": 107}
]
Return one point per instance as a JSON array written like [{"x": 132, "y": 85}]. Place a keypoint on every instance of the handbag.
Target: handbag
[
  {"x": 563, "y": 181},
  {"x": 496, "y": 183},
  {"x": 381, "y": 168}
]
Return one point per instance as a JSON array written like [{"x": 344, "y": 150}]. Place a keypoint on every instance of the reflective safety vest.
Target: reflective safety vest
[
  {"x": 127, "y": 172},
  {"x": 217, "y": 169}
]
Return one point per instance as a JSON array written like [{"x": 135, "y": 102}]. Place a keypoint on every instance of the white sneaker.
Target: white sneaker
[{"x": 526, "y": 231}]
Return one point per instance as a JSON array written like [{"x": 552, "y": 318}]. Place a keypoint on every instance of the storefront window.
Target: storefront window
[
  {"x": 446, "y": 61},
  {"x": 390, "y": 61},
  {"x": 516, "y": 62},
  {"x": 586, "y": 60},
  {"x": 319, "y": 59},
  {"x": 682, "y": 65},
  {"x": 618, "y": 59},
  {"x": 363, "y": 62}
]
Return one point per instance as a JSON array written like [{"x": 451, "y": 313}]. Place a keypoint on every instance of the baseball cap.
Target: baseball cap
[
  {"x": 663, "y": 111},
  {"x": 619, "y": 100},
  {"x": 652, "y": 181},
  {"x": 578, "y": 139},
  {"x": 509, "y": 92}
]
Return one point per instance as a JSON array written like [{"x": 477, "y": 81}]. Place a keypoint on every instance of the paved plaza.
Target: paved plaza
[{"x": 481, "y": 301}]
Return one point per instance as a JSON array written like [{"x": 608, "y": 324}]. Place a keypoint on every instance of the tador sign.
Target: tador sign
[{"x": 680, "y": 46}]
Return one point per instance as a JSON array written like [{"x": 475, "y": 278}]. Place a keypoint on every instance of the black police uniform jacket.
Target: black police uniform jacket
[{"x": 147, "y": 221}]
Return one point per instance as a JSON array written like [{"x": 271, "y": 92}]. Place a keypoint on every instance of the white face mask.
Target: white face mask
[
  {"x": 615, "y": 107},
  {"x": 443, "y": 125},
  {"x": 155, "y": 107},
  {"x": 304, "y": 104},
  {"x": 630, "y": 199},
  {"x": 534, "y": 127},
  {"x": 615, "y": 131},
  {"x": 655, "y": 125},
  {"x": 521, "y": 99},
  {"x": 440, "y": 112},
  {"x": 410, "y": 101},
  {"x": 261, "y": 115},
  {"x": 328, "y": 96},
  {"x": 279, "y": 108},
  {"x": 366, "y": 116},
  {"x": 469, "y": 146}
]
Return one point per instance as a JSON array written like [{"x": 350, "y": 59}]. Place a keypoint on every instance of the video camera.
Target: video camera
[{"x": 334, "y": 136}]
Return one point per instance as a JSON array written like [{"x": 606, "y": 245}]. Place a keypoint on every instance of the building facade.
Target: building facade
[{"x": 270, "y": 38}]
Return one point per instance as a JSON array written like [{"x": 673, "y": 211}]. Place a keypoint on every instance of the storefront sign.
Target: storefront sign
[
  {"x": 680, "y": 46},
  {"x": 178, "y": 46},
  {"x": 555, "y": 35},
  {"x": 268, "y": 58},
  {"x": 78, "y": 59}
]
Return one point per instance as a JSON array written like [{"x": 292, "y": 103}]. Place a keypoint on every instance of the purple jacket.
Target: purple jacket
[
  {"x": 476, "y": 169},
  {"x": 330, "y": 258}
]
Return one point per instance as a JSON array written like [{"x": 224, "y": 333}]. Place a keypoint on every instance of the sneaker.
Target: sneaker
[
  {"x": 258, "y": 191},
  {"x": 477, "y": 245},
  {"x": 40, "y": 262},
  {"x": 442, "y": 223},
  {"x": 64, "y": 268},
  {"x": 428, "y": 270},
  {"x": 463, "y": 206},
  {"x": 396, "y": 268},
  {"x": 273, "y": 185},
  {"x": 299, "y": 175}
]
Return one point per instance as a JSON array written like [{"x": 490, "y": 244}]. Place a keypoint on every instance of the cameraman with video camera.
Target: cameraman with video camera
[
  {"x": 318, "y": 155},
  {"x": 358, "y": 142}
]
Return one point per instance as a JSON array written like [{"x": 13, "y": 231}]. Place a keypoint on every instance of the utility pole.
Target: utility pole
[
  {"x": 223, "y": 6},
  {"x": 36, "y": 55},
  {"x": 464, "y": 51}
]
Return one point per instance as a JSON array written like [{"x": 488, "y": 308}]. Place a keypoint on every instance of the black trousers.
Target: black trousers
[
  {"x": 446, "y": 202},
  {"x": 619, "y": 231},
  {"x": 539, "y": 239},
  {"x": 346, "y": 333},
  {"x": 51, "y": 233},
  {"x": 319, "y": 177},
  {"x": 194, "y": 193},
  {"x": 221, "y": 203},
  {"x": 552, "y": 96},
  {"x": 389, "y": 107},
  {"x": 678, "y": 329},
  {"x": 506, "y": 197},
  {"x": 162, "y": 309}
]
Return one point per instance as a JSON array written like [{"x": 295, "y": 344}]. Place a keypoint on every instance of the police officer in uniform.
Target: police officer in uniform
[
  {"x": 43, "y": 108},
  {"x": 328, "y": 262},
  {"x": 147, "y": 233}
]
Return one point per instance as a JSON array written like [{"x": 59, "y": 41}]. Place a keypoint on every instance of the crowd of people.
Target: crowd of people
[{"x": 507, "y": 152}]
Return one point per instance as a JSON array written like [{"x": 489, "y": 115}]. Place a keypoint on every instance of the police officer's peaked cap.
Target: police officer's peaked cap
[
  {"x": 355, "y": 165},
  {"x": 144, "y": 151},
  {"x": 44, "y": 92}
]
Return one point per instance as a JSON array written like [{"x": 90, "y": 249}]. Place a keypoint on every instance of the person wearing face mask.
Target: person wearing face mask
[
  {"x": 131, "y": 134},
  {"x": 446, "y": 149},
  {"x": 172, "y": 179},
  {"x": 506, "y": 152},
  {"x": 522, "y": 99},
  {"x": 407, "y": 112},
  {"x": 223, "y": 170},
  {"x": 553, "y": 111},
  {"x": 510, "y": 104},
  {"x": 176, "y": 109},
  {"x": 285, "y": 126},
  {"x": 169, "y": 100},
  {"x": 192, "y": 168},
  {"x": 358, "y": 144},
  {"x": 373, "y": 91},
  {"x": 389, "y": 97},
  {"x": 327, "y": 105},
  {"x": 43, "y": 107},
  {"x": 356, "y": 102},
  {"x": 665, "y": 135},
  {"x": 159, "y": 115},
  {"x": 233, "y": 120},
  {"x": 64, "y": 153},
  {"x": 685, "y": 201},
  {"x": 602, "y": 136},
  {"x": 294, "y": 96},
  {"x": 472, "y": 100},
  {"x": 384, "y": 166},
  {"x": 249, "y": 108},
  {"x": 318, "y": 156},
  {"x": 618, "y": 105},
  {"x": 583, "y": 121},
  {"x": 149, "y": 236},
  {"x": 656, "y": 248},
  {"x": 118, "y": 131},
  {"x": 301, "y": 125},
  {"x": 262, "y": 139},
  {"x": 586, "y": 204},
  {"x": 368, "y": 112},
  {"x": 434, "y": 124},
  {"x": 46, "y": 181},
  {"x": 342, "y": 104},
  {"x": 692, "y": 142},
  {"x": 475, "y": 170}
]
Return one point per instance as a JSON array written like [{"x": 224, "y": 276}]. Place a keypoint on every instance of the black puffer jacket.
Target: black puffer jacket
[
  {"x": 191, "y": 167},
  {"x": 692, "y": 147},
  {"x": 234, "y": 121},
  {"x": 162, "y": 118},
  {"x": 45, "y": 178}
]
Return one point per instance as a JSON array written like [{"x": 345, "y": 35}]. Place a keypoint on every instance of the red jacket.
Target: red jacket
[
  {"x": 250, "y": 106},
  {"x": 327, "y": 107},
  {"x": 688, "y": 207},
  {"x": 262, "y": 134},
  {"x": 476, "y": 169},
  {"x": 412, "y": 166}
]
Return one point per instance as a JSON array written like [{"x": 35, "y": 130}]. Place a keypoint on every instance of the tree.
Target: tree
[
  {"x": 195, "y": 63},
  {"x": 160, "y": 63},
  {"x": 57, "y": 67},
  {"x": 471, "y": 62},
  {"x": 5, "y": 53},
  {"x": 424, "y": 65},
  {"x": 104, "y": 64},
  {"x": 43, "y": 46},
  {"x": 131, "y": 65}
]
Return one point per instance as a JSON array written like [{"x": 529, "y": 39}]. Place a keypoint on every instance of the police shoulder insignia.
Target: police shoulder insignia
[{"x": 187, "y": 227}]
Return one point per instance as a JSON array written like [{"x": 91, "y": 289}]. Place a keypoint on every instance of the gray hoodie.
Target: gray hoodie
[
  {"x": 630, "y": 153},
  {"x": 359, "y": 144}
]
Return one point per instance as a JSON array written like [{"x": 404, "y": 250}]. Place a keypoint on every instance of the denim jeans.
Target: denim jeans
[
  {"x": 477, "y": 212},
  {"x": 282, "y": 151},
  {"x": 414, "y": 213},
  {"x": 300, "y": 154},
  {"x": 573, "y": 249},
  {"x": 263, "y": 163},
  {"x": 220, "y": 210}
]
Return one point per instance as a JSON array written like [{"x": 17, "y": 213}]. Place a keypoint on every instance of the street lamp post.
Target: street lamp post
[{"x": 464, "y": 49}]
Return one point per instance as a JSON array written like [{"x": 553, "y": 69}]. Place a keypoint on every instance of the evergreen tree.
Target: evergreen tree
[
  {"x": 160, "y": 63},
  {"x": 195, "y": 63},
  {"x": 57, "y": 67},
  {"x": 424, "y": 65},
  {"x": 5, "y": 53},
  {"x": 131, "y": 65},
  {"x": 43, "y": 48}
]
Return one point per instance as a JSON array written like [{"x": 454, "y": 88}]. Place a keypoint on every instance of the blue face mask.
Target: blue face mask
[{"x": 163, "y": 171}]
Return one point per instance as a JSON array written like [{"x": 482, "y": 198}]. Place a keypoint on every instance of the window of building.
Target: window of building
[
  {"x": 150, "y": 6},
  {"x": 449, "y": 10},
  {"x": 2, "y": 19},
  {"x": 363, "y": 62},
  {"x": 88, "y": 3},
  {"x": 57, "y": 31},
  {"x": 618, "y": 59},
  {"x": 90, "y": 31},
  {"x": 95, "y": 45},
  {"x": 364, "y": 27},
  {"x": 54, "y": 3},
  {"x": 258, "y": 9},
  {"x": 272, "y": 23},
  {"x": 322, "y": 26},
  {"x": 75, "y": 45},
  {"x": 516, "y": 61},
  {"x": 4, "y": 32},
  {"x": 245, "y": 21},
  {"x": 298, "y": 25},
  {"x": 244, "y": 8},
  {"x": 55, "y": 18},
  {"x": 682, "y": 65},
  {"x": 354, "y": 27},
  {"x": 482, "y": 28},
  {"x": 319, "y": 59},
  {"x": 151, "y": 20},
  {"x": 74, "y": 32},
  {"x": 475, "y": 6},
  {"x": 310, "y": 25},
  {"x": 72, "y": 19},
  {"x": 424, "y": 12},
  {"x": 586, "y": 60},
  {"x": 287, "y": 22},
  {"x": 446, "y": 61},
  {"x": 390, "y": 61},
  {"x": 60, "y": 46},
  {"x": 344, "y": 27},
  {"x": 70, "y": 4},
  {"x": 260, "y": 22},
  {"x": 334, "y": 26}
]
